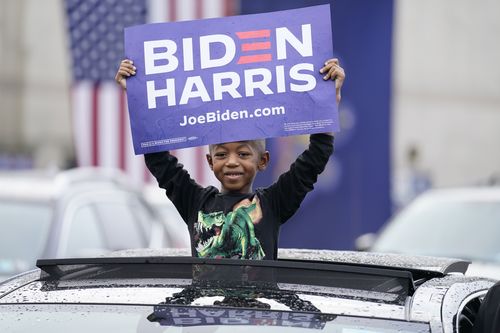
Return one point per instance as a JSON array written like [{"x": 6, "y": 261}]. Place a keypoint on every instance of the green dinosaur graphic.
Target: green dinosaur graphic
[{"x": 228, "y": 236}]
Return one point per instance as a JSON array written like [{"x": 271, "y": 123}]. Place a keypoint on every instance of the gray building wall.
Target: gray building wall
[
  {"x": 446, "y": 88},
  {"x": 11, "y": 74},
  {"x": 34, "y": 81}
]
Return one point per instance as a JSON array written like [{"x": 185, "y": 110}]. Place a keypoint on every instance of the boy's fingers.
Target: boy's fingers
[
  {"x": 337, "y": 73},
  {"x": 325, "y": 69},
  {"x": 333, "y": 60},
  {"x": 128, "y": 66},
  {"x": 328, "y": 65},
  {"x": 327, "y": 75},
  {"x": 332, "y": 73},
  {"x": 129, "y": 70},
  {"x": 123, "y": 73},
  {"x": 126, "y": 70}
]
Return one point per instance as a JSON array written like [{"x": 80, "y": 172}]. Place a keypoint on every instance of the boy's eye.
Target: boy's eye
[
  {"x": 220, "y": 155},
  {"x": 244, "y": 154}
]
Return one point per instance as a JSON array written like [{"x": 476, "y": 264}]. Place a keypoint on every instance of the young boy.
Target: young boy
[{"x": 236, "y": 221}]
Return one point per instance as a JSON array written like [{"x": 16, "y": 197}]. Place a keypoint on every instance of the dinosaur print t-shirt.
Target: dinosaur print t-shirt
[
  {"x": 242, "y": 226},
  {"x": 229, "y": 233}
]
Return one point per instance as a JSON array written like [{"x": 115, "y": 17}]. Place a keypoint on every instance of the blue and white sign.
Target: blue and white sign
[{"x": 230, "y": 79}]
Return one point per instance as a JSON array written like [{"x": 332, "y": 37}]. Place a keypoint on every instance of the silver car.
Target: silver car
[
  {"x": 157, "y": 198},
  {"x": 75, "y": 213},
  {"x": 454, "y": 222},
  {"x": 304, "y": 290}
]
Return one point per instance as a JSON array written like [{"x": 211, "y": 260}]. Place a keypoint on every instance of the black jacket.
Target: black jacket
[{"x": 240, "y": 225}]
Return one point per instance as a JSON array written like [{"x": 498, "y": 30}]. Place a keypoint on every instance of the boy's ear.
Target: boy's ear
[
  {"x": 264, "y": 161},
  {"x": 210, "y": 162}
]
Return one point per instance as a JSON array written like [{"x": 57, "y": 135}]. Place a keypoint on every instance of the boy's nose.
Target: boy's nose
[{"x": 232, "y": 160}]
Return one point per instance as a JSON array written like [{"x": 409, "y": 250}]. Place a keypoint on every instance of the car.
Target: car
[
  {"x": 74, "y": 213},
  {"x": 167, "y": 290},
  {"x": 449, "y": 222},
  {"x": 157, "y": 198}
]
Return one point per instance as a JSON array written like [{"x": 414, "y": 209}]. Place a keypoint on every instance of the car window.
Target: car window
[
  {"x": 456, "y": 229},
  {"x": 85, "y": 236},
  {"x": 114, "y": 318},
  {"x": 143, "y": 216},
  {"x": 123, "y": 230},
  {"x": 24, "y": 229}
]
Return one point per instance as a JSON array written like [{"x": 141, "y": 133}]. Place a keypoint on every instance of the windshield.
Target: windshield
[
  {"x": 466, "y": 230},
  {"x": 24, "y": 228},
  {"x": 115, "y": 318}
]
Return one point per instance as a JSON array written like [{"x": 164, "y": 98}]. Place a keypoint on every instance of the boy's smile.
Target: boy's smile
[
  {"x": 233, "y": 175},
  {"x": 235, "y": 165}
]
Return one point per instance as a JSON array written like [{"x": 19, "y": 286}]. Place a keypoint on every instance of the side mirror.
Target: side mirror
[{"x": 365, "y": 242}]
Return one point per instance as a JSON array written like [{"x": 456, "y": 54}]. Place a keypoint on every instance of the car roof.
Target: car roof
[
  {"x": 411, "y": 263},
  {"x": 485, "y": 193},
  {"x": 44, "y": 185}
]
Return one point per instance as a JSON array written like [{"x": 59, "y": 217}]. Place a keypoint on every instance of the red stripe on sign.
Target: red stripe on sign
[
  {"x": 95, "y": 124},
  {"x": 253, "y": 34},
  {"x": 255, "y": 46},
  {"x": 254, "y": 58},
  {"x": 122, "y": 130},
  {"x": 172, "y": 10}
]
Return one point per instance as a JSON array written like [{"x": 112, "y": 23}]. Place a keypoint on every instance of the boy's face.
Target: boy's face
[{"x": 235, "y": 165}]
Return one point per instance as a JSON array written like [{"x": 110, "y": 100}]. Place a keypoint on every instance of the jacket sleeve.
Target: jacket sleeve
[
  {"x": 288, "y": 192},
  {"x": 180, "y": 188}
]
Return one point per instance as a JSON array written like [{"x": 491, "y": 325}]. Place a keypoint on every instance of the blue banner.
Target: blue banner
[
  {"x": 230, "y": 79},
  {"x": 352, "y": 196}
]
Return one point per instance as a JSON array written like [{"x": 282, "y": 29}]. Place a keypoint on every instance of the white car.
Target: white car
[
  {"x": 157, "y": 198},
  {"x": 459, "y": 222},
  {"x": 75, "y": 213}
]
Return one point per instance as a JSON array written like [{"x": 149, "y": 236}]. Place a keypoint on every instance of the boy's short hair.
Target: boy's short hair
[{"x": 259, "y": 145}]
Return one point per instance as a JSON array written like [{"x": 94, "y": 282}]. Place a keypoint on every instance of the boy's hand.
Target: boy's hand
[
  {"x": 332, "y": 70},
  {"x": 126, "y": 69}
]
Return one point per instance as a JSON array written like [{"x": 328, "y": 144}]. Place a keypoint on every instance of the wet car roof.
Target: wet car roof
[
  {"x": 339, "y": 284},
  {"x": 408, "y": 262},
  {"x": 297, "y": 286},
  {"x": 397, "y": 261}
]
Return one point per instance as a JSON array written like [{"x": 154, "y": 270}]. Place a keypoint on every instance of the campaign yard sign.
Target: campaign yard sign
[{"x": 230, "y": 79}]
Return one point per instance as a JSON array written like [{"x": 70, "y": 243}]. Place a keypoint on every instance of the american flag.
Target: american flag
[{"x": 99, "y": 111}]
